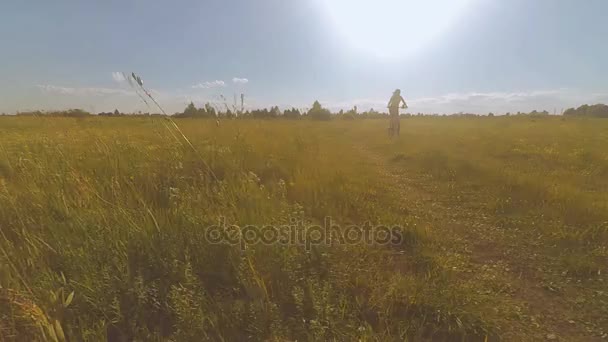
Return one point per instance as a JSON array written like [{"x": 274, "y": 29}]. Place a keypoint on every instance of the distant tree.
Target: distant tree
[
  {"x": 537, "y": 113},
  {"x": 582, "y": 110},
  {"x": 260, "y": 113},
  {"x": 274, "y": 112},
  {"x": 490, "y": 114},
  {"x": 292, "y": 113},
  {"x": 317, "y": 112},
  {"x": 372, "y": 114},
  {"x": 201, "y": 113},
  {"x": 210, "y": 110},
  {"x": 76, "y": 113},
  {"x": 597, "y": 110},
  {"x": 349, "y": 115},
  {"x": 190, "y": 110}
]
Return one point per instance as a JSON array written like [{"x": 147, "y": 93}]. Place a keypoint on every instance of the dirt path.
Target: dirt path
[{"x": 495, "y": 262}]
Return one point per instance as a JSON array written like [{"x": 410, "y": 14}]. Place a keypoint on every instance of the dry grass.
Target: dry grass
[{"x": 115, "y": 210}]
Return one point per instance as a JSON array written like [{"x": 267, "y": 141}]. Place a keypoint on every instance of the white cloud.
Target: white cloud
[
  {"x": 126, "y": 100},
  {"x": 476, "y": 98},
  {"x": 484, "y": 102},
  {"x": 81, "y": 91},
  {"x": 118, "y": 77},
  {"x": 209, "y": 85},
  {"x": 478, "y": 102},
  {"x": 237, "y": 80}
]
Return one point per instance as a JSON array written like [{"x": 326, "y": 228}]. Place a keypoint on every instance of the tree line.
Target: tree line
[
  {"x": 316, "y": 112},
  {"x": 208, "y": 111},
  {"x": 597, "y": 111}
]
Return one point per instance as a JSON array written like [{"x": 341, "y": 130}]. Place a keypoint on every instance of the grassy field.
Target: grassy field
[{"x": 503, "y": 226}]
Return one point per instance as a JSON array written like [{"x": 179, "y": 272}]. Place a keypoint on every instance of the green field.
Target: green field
[{"x": 503, "y": 224}]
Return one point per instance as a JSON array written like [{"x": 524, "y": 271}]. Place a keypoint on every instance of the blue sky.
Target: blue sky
[{"x": 479, "y": 56}]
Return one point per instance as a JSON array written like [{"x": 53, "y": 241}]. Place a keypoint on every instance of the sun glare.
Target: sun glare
[{"x": 393, "y": 28}]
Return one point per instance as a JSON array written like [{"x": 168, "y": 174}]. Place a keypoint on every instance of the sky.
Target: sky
[{"x": 446, "y": 56}]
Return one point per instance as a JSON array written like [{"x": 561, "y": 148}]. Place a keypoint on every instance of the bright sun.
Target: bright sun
[{"x": 393, "y": 28}]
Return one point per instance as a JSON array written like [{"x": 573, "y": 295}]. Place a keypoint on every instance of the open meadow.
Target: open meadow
[{"x": 499, "y": 229}]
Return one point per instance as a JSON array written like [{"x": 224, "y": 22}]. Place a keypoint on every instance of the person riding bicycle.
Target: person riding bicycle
[{"x": 393, "y": 110}]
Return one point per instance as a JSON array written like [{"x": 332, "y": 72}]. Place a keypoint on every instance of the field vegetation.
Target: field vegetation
[{"x": 103, "y": 220}]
